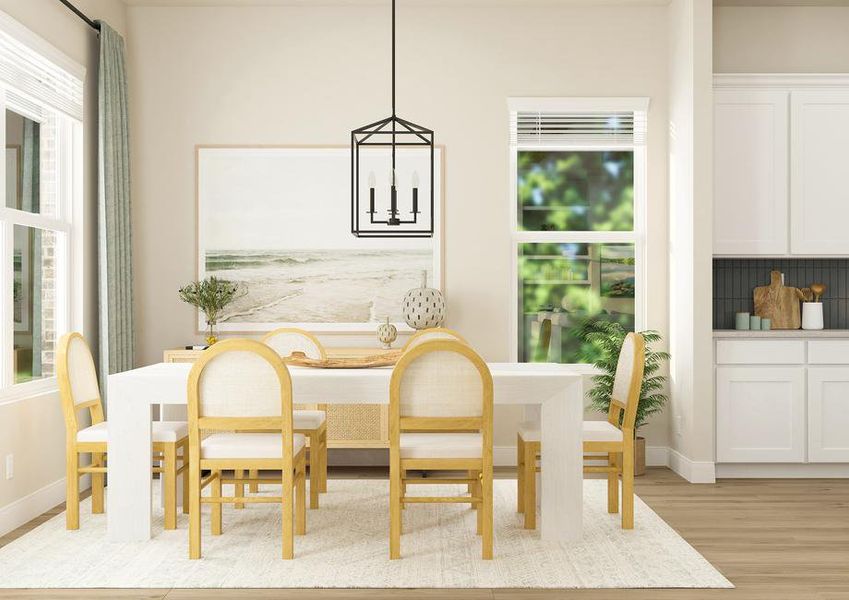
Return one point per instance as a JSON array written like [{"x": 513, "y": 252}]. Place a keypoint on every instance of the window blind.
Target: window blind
[
  {"x": 579, "y": 128},
  {"x": 31, "y": 75}
]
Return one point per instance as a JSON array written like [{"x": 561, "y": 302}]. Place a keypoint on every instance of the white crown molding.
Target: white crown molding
[{"x": 780, "y": 80}]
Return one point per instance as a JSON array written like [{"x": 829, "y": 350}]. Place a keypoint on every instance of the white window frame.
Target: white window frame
[
  {"x": 637, "y": 237},
  {"x": 37, "y": 104}
]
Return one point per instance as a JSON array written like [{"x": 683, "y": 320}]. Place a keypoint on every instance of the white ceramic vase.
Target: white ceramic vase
[
  {"x": 812, "y": 315},
  {"x": 423, "y": 307}
]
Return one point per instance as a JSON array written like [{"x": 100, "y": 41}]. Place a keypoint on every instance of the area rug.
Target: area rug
[{"x": 347, "y": 546}]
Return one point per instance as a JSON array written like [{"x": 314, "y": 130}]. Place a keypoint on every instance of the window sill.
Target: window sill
[{"x": 30, "y": 389}]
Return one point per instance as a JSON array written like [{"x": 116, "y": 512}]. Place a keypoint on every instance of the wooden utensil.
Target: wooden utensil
[
  {"x": 818, "y": 289},
  {"x": 807, "y": 295},
  {"x": 779, "y": 303}
]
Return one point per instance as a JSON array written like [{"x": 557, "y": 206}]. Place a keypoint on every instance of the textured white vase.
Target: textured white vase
[
  {"x": 423, "y": 307},
  {"x": 387, "y": 333},
  {"x": 812, "y": 315}
]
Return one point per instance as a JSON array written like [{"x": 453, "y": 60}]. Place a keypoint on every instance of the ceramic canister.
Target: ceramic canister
[{"x": 742, "y": 321}]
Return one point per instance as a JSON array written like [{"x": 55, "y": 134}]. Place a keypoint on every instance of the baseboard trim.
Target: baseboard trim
[
  {"x": 25, "y": 509},
  {"x": 782, "y": 471},
  {"x": 691, "y": 470}
]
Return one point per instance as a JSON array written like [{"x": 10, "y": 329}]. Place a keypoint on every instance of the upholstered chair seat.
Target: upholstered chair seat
[
  {"x": 308, "y": 419},
  {"x": 593, "y": 431},
  {"x": 248, "y": 445},
  {"x": 441, "y": 445},
  {"x": 163, "y": 431}
]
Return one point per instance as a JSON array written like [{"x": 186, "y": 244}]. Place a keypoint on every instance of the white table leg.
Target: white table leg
[
  {"x": 562, "y": 465},
  {"x": 128, "y": 512}
]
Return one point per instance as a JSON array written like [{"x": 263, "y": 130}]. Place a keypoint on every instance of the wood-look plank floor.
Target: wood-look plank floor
[{"x": 774, "y": 539}]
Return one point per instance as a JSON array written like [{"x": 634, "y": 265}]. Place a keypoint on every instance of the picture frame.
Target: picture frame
[{"x": 277, "y": 219}]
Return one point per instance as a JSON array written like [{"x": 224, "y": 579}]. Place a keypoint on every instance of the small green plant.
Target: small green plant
[
  {"x": 605, "y": 339},
  {"x": 212, "y": 295}
]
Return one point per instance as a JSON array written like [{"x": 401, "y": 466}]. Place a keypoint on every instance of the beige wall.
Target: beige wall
[
  {"x": 781, "y": 39},
  {"x": 33, "y": 429},
  {"x": 308, "y": 75}
]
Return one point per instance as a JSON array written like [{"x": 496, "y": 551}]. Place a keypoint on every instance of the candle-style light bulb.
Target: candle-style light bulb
[
  {"x": 371, "y": 184},
  {"x": 415, "y": 194},
  {"x": 393, "y": 199}
]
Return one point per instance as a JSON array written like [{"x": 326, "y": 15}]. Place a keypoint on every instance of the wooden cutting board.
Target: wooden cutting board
[{"x": 779, "y": 303}]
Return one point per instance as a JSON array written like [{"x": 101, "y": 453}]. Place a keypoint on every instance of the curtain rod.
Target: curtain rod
[{"x": 78, "y": 12}]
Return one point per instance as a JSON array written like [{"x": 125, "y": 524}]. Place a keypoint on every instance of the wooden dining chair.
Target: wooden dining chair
[
  {"x": 433, "y": 333},
  {"x": 79, "y": 391},
  {"x": 440, "y": 418},
  {"x": 615, "y": 437},
  {"x": 309, "y": 421},
  {"x": 240, "y": 396}
]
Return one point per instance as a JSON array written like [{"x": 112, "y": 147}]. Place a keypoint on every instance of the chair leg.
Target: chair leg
[
  {"x": 394, "y": 506},
  {"x": 520, "y": 474},
  {"x": 97, "y": 483},
  {"x": 72, "y": 489},
  {"x": 486, "y": 511},
  {"x": 530, "y": 476},
  {"x": 479, "y": 494},
  {"x": 323, "y": 438},
  {"x": 238, "y": 488},
  {"x": 301, "y": 498},
  {"x": 613, "y": 484},
  {"x": 194, "y": 508},
  {"x": 403, "y": 488},
  {"x": 253, "y": 488},
  {"x": 216, "y": 506},
  {"x": 315, "y": 470},
  {"x": 168, "y": 479},
  {"x": 628, "y": 485},
  {"x": 288, "y": 495},
  {"x": 186, "y": 478}
]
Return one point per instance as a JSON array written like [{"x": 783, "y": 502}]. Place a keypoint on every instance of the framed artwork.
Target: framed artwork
[{"x": 278, "y": 221}]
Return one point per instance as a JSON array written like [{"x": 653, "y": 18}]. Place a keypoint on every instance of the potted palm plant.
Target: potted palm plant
[
  {"x": 602, "y": 341},
  {"x": 212, "y": 295}
]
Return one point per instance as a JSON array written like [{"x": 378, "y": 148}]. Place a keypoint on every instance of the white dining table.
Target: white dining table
[{"x": 551, "y": 393}]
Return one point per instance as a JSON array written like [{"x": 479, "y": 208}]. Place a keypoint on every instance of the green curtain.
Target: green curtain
[{"x": 114, "y": 227}]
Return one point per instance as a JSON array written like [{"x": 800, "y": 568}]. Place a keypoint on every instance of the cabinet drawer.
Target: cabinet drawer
[
  {"x": 760, "y": 352},
  {"x": 828, "y": 352}
]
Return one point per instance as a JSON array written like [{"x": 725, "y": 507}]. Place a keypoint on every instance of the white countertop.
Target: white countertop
[{"x": 782, "y": 333}]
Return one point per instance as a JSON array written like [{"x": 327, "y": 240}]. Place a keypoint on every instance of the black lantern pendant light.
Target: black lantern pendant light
[{"x": 404, "y": 151}]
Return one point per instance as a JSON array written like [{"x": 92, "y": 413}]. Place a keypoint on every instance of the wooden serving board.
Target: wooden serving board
[
  {"x": 384, "y": 359},
  {"x": 779, "y": 303}
]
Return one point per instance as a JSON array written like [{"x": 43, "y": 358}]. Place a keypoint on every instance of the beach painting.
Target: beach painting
[{"x": 277, "y": 221}]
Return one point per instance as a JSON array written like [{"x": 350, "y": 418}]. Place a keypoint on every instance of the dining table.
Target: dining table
[{"x": 551, "y": 394}]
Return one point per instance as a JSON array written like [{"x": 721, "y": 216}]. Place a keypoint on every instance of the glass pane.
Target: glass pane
[
  {"x": 576, "y": 190},
  {"x": 33, "y": 294},
  {"x": 23, "y": 140},
  {"x": 561, "y": 286}
]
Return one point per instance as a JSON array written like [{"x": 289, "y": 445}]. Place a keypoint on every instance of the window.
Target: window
[
  {"x": 578, "y": 198},
  {"x": 41, "y": 96}
]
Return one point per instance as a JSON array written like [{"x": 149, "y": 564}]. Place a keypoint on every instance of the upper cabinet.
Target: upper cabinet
[
  {"x": 819, "y": 196},
  {"x": 750, "y": 172},
  {"x": 780, "y": 164}
]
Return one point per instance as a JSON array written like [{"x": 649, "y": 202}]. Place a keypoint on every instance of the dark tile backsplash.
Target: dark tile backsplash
[{"x": 734, "y": 281}]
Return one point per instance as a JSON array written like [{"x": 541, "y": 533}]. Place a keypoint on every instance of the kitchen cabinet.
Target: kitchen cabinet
[
  {"x": 750, "y": 172},
  {"x": 779, "y": 165},
  {"x": 760, "y": 414},
  {"x": 828, "y": 414},
  {"x": 819, "y": 196}
]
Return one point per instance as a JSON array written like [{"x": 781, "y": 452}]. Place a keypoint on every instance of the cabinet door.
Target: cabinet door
[
  {"x": 819, "y": 196},
  {"x": 760, "y": 414},
  {"x": 828, "y": 414},
  {"x": 750, "y": 172}
]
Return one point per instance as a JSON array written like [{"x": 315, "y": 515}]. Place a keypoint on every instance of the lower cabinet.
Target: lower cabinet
[
  {"x": 828, "y": 414},
  {"x": 760, "y": 414}
]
